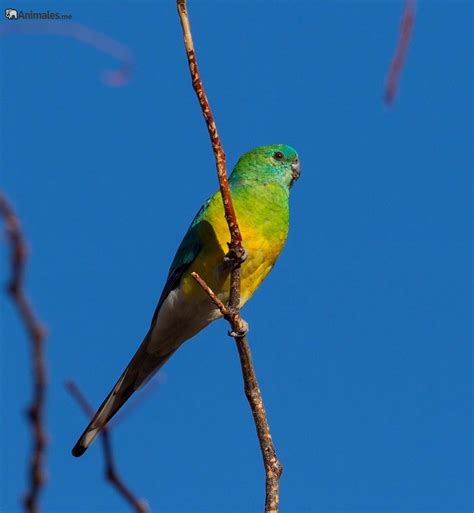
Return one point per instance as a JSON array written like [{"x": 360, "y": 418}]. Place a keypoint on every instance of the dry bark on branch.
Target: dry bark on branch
[
  {"x": 235, "y": 257},
  {"x": 273, "y": 467},
  {"x": 37, "y": 335}
]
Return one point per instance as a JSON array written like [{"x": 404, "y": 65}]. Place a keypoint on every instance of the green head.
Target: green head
[{"x": 277, "y": 163}]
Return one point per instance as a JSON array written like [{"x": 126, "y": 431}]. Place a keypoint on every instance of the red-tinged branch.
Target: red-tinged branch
[
  {"x": 235, "y": 245},
  {"x": 406, "y": 29},
  {"x": 273, "y": 467},
  {"x": 235, "y": 258},
  {"x": 212, "y": 296},
  {"x": 111, "y": 473},
  {"x": 37, "y": 337}
]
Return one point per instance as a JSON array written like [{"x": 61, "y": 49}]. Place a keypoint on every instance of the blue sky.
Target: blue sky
[{"x": 361, "y": 335}]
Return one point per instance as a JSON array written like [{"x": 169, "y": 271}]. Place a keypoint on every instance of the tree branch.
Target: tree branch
[
  {"x": 273, "y": 467},
  {"x": 37, "y": 337},
  {"x": 393, "y": 75},
  {"x": 111, "y": 473},
  {"x": 235, "y": 257},
  {"x": 235, "y": 247}
]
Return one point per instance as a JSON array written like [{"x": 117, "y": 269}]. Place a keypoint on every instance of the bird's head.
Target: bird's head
[{"x": 277, "y": 163}]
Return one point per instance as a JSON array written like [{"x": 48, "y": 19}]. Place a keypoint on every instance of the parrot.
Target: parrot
[{"x": 260, "y": 185}]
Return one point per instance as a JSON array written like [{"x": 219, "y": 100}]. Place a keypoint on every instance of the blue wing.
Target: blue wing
[{"x": 187, "y": 252}]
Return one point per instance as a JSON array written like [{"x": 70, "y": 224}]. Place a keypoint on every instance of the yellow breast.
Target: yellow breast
[{"x": 263, "y": 240}]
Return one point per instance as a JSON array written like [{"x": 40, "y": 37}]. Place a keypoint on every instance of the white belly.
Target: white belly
[{"x": 179, "y": 319}]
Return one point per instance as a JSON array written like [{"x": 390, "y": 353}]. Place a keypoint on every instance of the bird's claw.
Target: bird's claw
[
  {"x": 235, "y": 256},
  {"x": 241, "y": 331}
]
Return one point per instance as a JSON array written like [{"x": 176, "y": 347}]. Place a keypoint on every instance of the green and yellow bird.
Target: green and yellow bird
[{"x": 260, "y": 186}]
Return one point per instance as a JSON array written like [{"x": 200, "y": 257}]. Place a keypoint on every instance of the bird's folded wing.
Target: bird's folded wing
[{"x": 187, "y": 252}]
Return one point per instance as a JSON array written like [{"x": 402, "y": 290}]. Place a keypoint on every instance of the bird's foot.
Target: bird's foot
[
  {"x": 241, "y": 331},
  {"x": 235, "y": 257}
]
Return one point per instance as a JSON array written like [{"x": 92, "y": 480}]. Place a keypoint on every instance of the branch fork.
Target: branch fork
[{"x": 234, "y": 259}]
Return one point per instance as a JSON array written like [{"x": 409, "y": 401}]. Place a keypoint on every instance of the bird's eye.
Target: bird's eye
[{"x": 278, "y": 155}]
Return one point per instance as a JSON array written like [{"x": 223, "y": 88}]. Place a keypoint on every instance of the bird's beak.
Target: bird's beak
[{"x": 295, "y": 171}]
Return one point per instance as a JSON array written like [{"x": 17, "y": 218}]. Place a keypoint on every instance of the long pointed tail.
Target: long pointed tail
[
  {"x": 140, "y": 369},
  {"x": 113, "y": 402}
]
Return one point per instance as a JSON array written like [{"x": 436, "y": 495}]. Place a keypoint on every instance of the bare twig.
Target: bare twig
[
  {"x": 235, "y": 257},
  {"x": 111, "y": 473},
  {"x": 273, "y": 467},
  {"x": 37, "y": 336},
  {"x": 235, "y": 246},
  {"x": 406, "y": 28}
]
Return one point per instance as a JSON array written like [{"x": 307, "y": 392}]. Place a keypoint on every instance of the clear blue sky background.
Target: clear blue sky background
[{"x": 361, "y": 335}]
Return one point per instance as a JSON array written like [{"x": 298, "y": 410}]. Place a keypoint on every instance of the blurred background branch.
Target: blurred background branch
[
  {"x": 37, "y": 336},
  {"x": 110, "y": 471},
  {"x": 86, "y": 35},
  {"x": 396, "y": 66}
]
